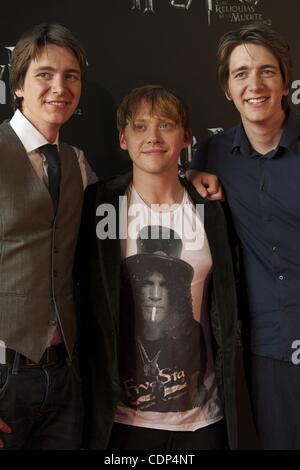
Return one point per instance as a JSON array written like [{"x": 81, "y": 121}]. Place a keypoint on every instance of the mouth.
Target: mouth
[
  {"x": 151, "y": 306},
  {"x": 153, "y": 311},
  {"x": 263, "y": 99},
  {"x": 155, "y": 151},
  {"x": 156, "y": 308},
  {"x": 57, "y": 104}
]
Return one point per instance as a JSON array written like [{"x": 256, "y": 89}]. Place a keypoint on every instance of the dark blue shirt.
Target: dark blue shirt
[{"x": 263, "y": 192}]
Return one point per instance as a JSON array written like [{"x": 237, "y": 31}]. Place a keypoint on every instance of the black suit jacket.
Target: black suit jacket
[{"x": 99, "y": 273}]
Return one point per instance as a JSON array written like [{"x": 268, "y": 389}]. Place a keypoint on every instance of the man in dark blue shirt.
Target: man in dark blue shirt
[{"x": 258, "y": 164}]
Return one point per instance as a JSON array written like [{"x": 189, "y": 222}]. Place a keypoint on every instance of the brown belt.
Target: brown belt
[{"x": 51, "y": 356}]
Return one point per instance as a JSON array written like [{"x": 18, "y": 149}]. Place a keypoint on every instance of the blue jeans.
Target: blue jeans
[{"x": 42, "y": 405}]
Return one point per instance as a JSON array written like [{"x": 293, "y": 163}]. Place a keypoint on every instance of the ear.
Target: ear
[
  {"x": 227, "y": 94},
  {"x": 122, "y": 140},
  {"x": 187, "y": 137},
  {"x": 285, "y": 91},
  {"x": 19, "y": 93}
]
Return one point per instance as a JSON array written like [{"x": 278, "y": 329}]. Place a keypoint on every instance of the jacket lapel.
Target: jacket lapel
[
  {"x": 109, "y": 250},
  {"x": 223, "y": 275}
]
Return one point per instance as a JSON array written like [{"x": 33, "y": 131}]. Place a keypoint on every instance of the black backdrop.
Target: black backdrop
[{"x": 134, "y": 42}]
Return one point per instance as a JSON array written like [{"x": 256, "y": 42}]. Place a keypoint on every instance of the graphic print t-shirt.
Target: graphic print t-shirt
[{"x": 166, "y": 365}]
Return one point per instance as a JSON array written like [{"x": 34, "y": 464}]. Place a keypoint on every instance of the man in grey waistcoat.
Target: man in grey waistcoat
[{"x": 41, "y": 189}]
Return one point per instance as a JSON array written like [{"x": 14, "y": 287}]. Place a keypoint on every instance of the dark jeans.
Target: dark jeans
[
  {"x": 276, "y": 403},
  {"x": 42, "y": 405},
  {"x": 124, "y": 437}
]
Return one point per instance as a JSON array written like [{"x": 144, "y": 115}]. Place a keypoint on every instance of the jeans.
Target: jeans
[
  {"x": 125, "y": 437},
  {"x": 42, "y": 405},
  {"x": 275, "y": 394}
]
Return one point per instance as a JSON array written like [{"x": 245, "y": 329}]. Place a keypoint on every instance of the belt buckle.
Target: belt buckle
[
  {"x": 44, "y": 361},
  {"x": 29, "y": 362}
]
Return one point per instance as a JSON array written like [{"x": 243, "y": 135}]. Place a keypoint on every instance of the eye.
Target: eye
[
  {"x": 72, "y": 77},
  {"x": 268, "y": 72},
  {"x": 240, "y": 75},
  {"x": 166, "y": 125},
  {"x": 45, "y": 75},
  {"x": 146, "y": 283},
  {"x": 139, "y": 127}
]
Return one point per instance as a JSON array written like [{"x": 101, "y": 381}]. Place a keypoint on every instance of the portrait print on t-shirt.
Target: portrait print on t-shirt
[{"x": 163, "y": 357}]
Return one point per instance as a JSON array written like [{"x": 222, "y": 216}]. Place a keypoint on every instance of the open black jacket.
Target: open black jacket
[{"x": 98, "y": 266}]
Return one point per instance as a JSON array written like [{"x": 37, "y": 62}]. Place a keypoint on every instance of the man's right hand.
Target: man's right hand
[
  {"x": 207, "y": 185},
  {"x": 4, "y": 428}
]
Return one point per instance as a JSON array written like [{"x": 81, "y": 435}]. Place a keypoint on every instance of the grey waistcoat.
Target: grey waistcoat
[{"x": 36, "y": 249}]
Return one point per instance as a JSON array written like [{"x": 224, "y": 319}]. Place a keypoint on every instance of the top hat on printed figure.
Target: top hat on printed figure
[{"x": 158, "y": 250}]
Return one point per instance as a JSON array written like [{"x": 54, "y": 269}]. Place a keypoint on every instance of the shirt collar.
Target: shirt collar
[
  {"x": 30, "y": 137},
  {"x": 241, "y": 143},
  {"x": 289, "y": 137}
]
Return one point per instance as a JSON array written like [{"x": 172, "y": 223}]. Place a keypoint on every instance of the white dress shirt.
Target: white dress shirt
[{"x": 32, "y": 139}]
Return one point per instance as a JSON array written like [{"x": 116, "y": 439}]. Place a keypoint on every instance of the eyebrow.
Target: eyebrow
[
  {"x": 162, "y": 118},
  {"x": 246, "y": 67},
  {"x": 48, "y": 68}
]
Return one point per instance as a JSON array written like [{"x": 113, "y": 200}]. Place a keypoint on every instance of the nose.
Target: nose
[
  {"x": 255, "y": 81},
  {"x": 153, "y": 135},
  {"x": 58, "y": 84},
  {"x": 155, "y": 292}
]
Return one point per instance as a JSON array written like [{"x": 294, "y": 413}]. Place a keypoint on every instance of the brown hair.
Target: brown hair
[
  {"x": 160, "y": 100},
  {"x": 31, "y": 44},
  {"x": 261, "y": 35}
]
